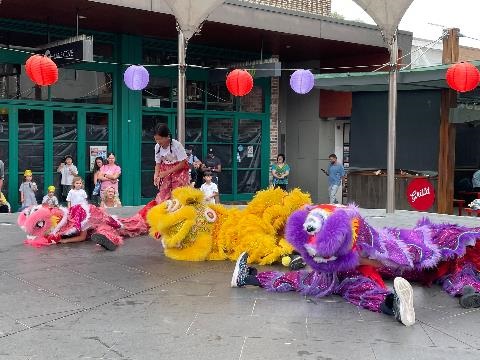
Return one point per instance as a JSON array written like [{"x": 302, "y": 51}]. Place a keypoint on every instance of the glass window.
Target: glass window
[
  {"x": 157, "y": 92},
  {"x": 65, "y": 125},
  {"x": 194, "y": 94},
  {"x": 102, "y": 51},
  {"x": 148, "y": 156},
  {"x": 223, "y": 153},
  {"x": 193, "y": 129},
  {"x": 97, "y": 126},
  {"x": 93, "y": 150},
  {"x": 248, "y": 181},
  {"x": 249, "y": 131},
  {"x": 218, "y": 96},
  {"x": 30, "y": 156},
  {"x": 225, "y": 182},
  {"x": 149, "y": 122},
  {"x": 83, "y": 86},
  {"x": 254, "y": 101},
  {"x": 3, "y": 123},
  {"x": 15, "y": 84},
  {"x": 248, "y": 156},
  {"x": 60, "y": 149},
  {"x": 30, "y": 125},
  {"x": 220, "y": 130}
]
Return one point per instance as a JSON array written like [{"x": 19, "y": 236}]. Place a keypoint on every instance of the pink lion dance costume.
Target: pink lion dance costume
[
  {"x": 47, "y": 226},
  {"x": 335, "y": 241}
]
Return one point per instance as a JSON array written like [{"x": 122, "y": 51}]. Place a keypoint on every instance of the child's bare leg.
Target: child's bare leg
[{"x": 82, "y": 236}]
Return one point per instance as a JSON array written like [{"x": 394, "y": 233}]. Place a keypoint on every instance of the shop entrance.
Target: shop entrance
[{"x": 38, "y": 137}]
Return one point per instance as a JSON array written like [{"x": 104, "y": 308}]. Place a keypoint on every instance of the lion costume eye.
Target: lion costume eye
[
  {"x": 210, "y": 215},
  {"x": 314, "y": 221},
  {"x": 172, "y": 205}
]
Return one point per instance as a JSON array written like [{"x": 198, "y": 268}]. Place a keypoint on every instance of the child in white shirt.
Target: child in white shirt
[
  {"x": 209, "y": 188},
  {"x": 77, "y": 195}
]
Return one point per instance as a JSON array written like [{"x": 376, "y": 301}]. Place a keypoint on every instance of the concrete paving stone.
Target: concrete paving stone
[
  {"x": 78, "y": 301},
  {"x": 402, "y": 352},
  {"x": 273, "y": 349}
]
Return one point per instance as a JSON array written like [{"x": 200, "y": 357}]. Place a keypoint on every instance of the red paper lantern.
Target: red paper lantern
[
  {"x": 463, "y": 77},
  {"x": 239, "y": 82},
  {"x": 41, "y": 70}
]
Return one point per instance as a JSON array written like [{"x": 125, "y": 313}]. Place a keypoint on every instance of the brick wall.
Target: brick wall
[
  {"x": 317, "y": 7},
  {"x": 274, "y": 131}
]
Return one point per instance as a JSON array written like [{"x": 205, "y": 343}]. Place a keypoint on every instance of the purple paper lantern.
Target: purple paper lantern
[
  {"x": 302, "y": 81},
  {"x": 136, "y": 77}
]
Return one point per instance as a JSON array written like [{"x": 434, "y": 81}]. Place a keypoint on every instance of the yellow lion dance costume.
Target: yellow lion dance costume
[{"x": 193, "y": 230}]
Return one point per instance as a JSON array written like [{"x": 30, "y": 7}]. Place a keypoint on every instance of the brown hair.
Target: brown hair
[{"x": 77, "y": 178}]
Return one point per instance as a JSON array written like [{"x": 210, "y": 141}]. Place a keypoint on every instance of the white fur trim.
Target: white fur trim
[{"x": 62, "y": 222}]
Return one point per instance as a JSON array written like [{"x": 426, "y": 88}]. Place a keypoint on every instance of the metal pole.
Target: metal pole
[
  {"x": 392, "y": 114},
  {"x": 181, "y": 88}
]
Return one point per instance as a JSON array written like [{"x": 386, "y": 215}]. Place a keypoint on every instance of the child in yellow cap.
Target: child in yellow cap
[
  {"x": 50, "y": 199},
  {"x": 28, "y": 188}
]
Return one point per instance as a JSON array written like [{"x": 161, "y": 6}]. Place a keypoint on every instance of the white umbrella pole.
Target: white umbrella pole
[
  {"x": 181, "y": 88},
  {"x": 392, "y": 114}
]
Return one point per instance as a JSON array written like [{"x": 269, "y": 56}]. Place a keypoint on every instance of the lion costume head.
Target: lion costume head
[{"x": 325, "y": 236}]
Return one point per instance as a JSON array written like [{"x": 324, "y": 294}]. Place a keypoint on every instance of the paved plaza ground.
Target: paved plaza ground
[{"x": 79, "y": 302}]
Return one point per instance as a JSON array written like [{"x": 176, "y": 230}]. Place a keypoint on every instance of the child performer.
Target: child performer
[{"x": 171, "y": 165}]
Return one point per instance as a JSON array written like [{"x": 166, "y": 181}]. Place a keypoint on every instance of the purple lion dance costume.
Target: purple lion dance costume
[{"x": 349, "y": 258}]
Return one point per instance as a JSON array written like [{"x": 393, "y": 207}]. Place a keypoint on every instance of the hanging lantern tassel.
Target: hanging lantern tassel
[
  {"x": 462, "y": 77},
  {"x": 239, "y": 82},
  {"x": 302, "y": 81},
  {"x": 41, "y": 70},
  {"x": 136, "y": 77}
]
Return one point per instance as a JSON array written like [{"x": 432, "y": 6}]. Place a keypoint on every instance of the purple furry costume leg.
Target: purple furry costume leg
[
  {"x": 467, "y": 275},
  {"x": 353, "y": 287}
]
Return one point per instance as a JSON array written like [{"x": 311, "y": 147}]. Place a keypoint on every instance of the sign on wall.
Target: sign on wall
[{"x": 421, "y": 194}]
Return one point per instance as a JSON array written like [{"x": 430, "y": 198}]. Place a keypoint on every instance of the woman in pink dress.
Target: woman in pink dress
[
  {"x": 109, "y": 174},
  {"x": 171, "y": 164}
]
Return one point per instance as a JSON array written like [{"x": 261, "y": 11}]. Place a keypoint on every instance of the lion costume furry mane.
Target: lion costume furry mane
[{"x": 193, "y": 230}]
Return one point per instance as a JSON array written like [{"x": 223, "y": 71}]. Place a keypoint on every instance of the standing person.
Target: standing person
[
  {"x": 99, "y": 162},
  {"x": 28, "y": 188},
  {"x": 4, "y": 205},
  {"x": 110, "y": 199},
  {"x": 68, "y": 171},
  {"x": 109, "y": 174},
  {"x": 280, "y": 171},
  {"x": 475, "y": 180},
  {"x": 191, "y": 156},
  {"x": 192, "y": 160},
  {"x": 209, "y": 188},
  {"x": 171, "y": 164},
  {"x": 50, "y": 199},
  {"x": 213, "y": 164},
  {"x": 2, "y": 174},
  {"x": 335, "y": 173},
  {"x": 77, "y": 195}
]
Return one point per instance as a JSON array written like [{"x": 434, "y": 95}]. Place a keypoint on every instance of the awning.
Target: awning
[{"x": 424, "y": 78}]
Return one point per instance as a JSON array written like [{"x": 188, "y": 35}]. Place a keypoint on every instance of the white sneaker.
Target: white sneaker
[{"x": 403, "y": 301}]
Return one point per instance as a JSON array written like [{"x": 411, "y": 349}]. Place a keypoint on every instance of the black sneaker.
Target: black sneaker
[
  {"x": 296, "y": 262},
  {"x": 102, "y": 240},
  {"x": 470, "y": 298},
  {"x": 240, "y": 272},
  {"x": 403, "y": 301},
  {"x": 252, "y": 271}
]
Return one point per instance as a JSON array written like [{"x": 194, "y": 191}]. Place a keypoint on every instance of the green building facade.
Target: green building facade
[{"x": 90, "y": 108}]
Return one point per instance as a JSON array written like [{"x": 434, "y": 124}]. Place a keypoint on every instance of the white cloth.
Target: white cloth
[
  {"x": 77, "y": 197},
  {"x": 209, "y": 190},
  {"x": 67, "y": 176},
  {"x": 166, "y": 156}
]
